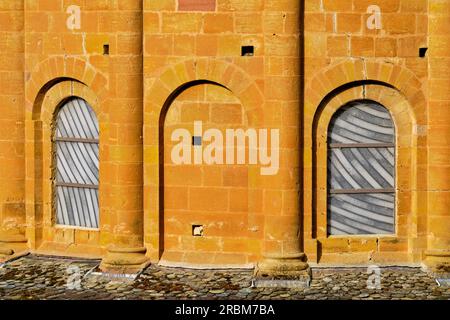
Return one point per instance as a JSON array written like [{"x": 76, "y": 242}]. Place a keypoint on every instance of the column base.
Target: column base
[
  {"x": 12, "y": 246},
  {"x": 438, "y": 261},
  {"x": 286, "y": 267},
  {"x": 124, "y": 260}
]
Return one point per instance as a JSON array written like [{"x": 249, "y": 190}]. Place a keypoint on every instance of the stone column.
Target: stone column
[
  {"x": 126, "y": 253},
  {"x": 437, "y": 257},
  {"x": 283, "y": 254},
  {"x": 12, "y": 128}
]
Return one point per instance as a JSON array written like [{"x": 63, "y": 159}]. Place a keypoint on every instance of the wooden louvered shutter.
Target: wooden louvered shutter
[
  {"x": 77, "y": 163},
  {"x": 361, "y": 170}
]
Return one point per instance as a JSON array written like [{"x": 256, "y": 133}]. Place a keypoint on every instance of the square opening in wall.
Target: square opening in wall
[
  {"x": 423, "y": 52},
  {"x": 248, "y": 51},
  {"x": 197, "y": 230},
  {"x": 196, "y": 141},
  {"x": 106, "y": 49}
]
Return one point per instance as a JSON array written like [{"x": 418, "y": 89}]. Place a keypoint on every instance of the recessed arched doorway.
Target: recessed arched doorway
[
  {"x": 204, "y": 203},
  {"x": 364, "y": 177}
]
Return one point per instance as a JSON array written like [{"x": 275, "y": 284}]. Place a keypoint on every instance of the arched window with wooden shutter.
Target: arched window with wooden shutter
[
  {"x": 361, "y": 170},
  {"x": 77, "y": 165}
]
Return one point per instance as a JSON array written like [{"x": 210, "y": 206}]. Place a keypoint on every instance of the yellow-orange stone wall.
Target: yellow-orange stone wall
[{"x": 311, "y": 57}]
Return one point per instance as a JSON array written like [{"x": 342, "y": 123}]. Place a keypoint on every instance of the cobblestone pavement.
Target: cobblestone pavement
[{"x": 37, "y": 277}]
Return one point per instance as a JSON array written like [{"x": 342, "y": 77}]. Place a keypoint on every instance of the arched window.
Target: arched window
[
  {"x": 77, "y": 162},
  {"x": 361, "y": 170}
]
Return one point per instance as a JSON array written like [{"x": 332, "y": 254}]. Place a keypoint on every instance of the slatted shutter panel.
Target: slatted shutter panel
[
  {"x": 361, "y": 170},
  {"x": 77, "y": 163}
]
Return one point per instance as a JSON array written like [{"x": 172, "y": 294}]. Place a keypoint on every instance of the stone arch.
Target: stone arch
[
  {"x": 352, "y": 73},
  {"x": 169, "y": 84},
  {"x": 182, "y": 75},
  {"x": 54, "y": 70},
  {"x": 398, "y": 90},
  {"x": 57, "y": 94},
  {"x": 179, "y": 91}
]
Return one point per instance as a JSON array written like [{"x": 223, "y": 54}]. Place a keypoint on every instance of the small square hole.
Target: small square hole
[
  {"x": 197, "y": 230},
  {"x": 423, "y": 52},
  {"x": 106, "y": 49},
  {"x": 248, "y": 51},
  {"x": 196, "y": 141}
]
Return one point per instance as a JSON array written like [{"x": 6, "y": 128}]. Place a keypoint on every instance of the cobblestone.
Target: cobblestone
[{"x": 38, "y": 277}]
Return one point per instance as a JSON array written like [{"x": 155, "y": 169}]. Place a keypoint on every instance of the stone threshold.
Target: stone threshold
[
  {"x": 194, "y": 266},
  {"x": 365, "y": 265},
  {"x": 49, "y": 256},
  {"x": 96, "y": 272}
]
